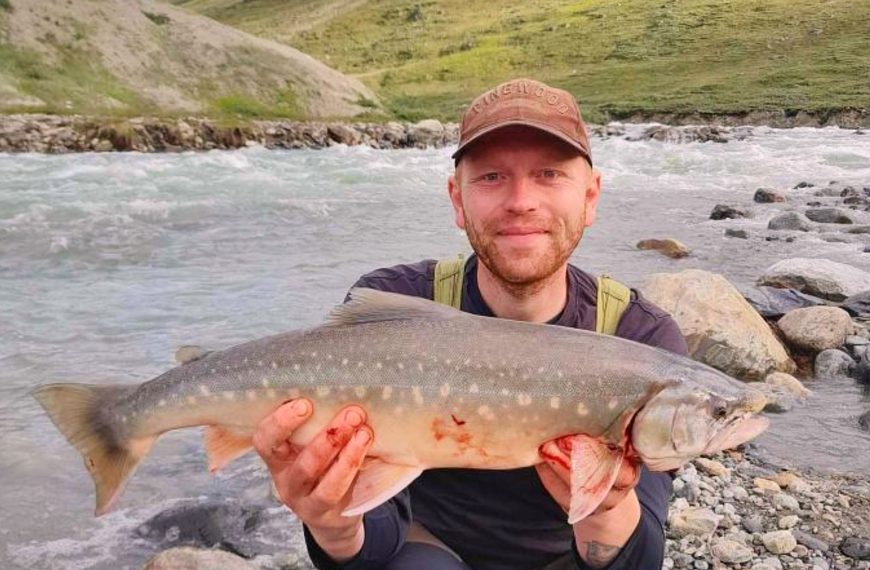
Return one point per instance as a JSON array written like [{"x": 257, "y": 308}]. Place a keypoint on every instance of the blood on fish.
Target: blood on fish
[
  {"x": 555, "y": 458},
  {"x": 457, "y": 421}
]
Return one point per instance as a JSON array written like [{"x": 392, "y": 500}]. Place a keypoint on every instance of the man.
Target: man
[{"x": 524, "y": 190}]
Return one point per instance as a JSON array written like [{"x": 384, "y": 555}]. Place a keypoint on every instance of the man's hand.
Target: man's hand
[
  {"x": 314, "y": 481},
  {"x": 601, "y": 535}
]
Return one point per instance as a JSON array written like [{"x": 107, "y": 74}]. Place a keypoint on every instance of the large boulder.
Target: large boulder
[
  {"x": 721, "y": 328},
  {"x": 426, "y": 133},
  {"x": 815, "y": 329},
  {"x": 819, "y": 277},
  {"x": 767, "y": 196},
  {"x": 790, "y": 221},
  {"x": 725, "y": 212},
  {"x": 774, "y": 302},
  {"x": 829, "y": 216}
]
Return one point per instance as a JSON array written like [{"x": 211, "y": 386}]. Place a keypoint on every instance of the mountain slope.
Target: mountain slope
[
  {"x": 139, "y": 56},
  {"x": 427, "y": 58}
]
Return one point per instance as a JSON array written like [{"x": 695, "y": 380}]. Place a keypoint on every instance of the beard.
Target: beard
[{"x": 524, "y": 271}]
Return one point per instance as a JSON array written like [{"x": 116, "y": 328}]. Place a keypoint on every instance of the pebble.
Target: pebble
[
  {"x": 731, "y": 552},
  {"x": 763, "y": 485},
  {"x": 712, "y": 467},
  {"x": 782, "y": 501},
  {"x": 779, "y": 541},
  {"x": 788, "y": 521}
]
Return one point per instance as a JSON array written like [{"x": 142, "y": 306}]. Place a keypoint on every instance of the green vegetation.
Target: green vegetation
[
  {"x": 159, "y": 19},
  {"x": 427, "y": 58},
  {"x": 243, "y": 107},
  {"x": 5, "y": 5}
]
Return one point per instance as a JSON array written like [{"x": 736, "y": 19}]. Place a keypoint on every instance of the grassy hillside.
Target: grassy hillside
[
  {"x": 427, "y": 58},
  {"x": 137, "y": 57}
]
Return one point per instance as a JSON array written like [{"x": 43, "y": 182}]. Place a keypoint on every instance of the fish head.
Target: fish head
[{"x": 686, "y": 420}]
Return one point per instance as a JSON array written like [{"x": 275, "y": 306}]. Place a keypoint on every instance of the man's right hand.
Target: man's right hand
[{"x": 314, "y": 481}]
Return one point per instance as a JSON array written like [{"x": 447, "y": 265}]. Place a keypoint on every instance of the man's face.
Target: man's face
[{"x": 524, "y": 199}]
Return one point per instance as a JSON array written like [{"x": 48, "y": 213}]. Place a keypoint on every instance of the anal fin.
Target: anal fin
[
  {"x": 594, "y": 467},
  {"x": 223, "y": 445},
  {"x": 377, "y": 482}
]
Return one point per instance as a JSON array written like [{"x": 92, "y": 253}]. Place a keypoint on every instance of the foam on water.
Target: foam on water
[{"x": 108, "y": 262}]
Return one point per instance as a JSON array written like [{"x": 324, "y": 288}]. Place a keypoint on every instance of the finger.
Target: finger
[
  {"x": 336, "y": 482},
  {"x": 270, "y": 438},
  {"x": 553, "y": 483},
  {"x": 628, "y": 477},
  {"x": 557, "y": 459},
  {"x": 316, "y": 457}
]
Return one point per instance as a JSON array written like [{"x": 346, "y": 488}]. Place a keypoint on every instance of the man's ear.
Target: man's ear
[
  {"x": 456, "y": 199},
  {"x": 593, "y": 192}
]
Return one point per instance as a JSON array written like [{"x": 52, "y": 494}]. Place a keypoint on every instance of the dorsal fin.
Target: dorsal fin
[{"x": 372, "y": 306}]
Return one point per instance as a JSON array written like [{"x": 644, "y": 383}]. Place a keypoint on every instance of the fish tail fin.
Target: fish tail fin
[{"x": 110, "y": 454}]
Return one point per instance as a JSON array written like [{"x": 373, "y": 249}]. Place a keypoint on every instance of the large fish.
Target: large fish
[{"x": 441, "y": 388}]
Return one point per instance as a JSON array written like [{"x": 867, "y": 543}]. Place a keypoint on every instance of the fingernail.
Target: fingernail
[
  {"x": 354, "y": 418},
  {"x": 362, "y": 436},
  {"x": 300, "y": 407}
]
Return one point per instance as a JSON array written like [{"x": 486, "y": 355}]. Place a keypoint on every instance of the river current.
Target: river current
[{"x": 108, "y": 262}]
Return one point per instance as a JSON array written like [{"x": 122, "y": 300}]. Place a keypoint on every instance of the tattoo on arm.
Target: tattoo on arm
[{"x": 599, "y": 555}]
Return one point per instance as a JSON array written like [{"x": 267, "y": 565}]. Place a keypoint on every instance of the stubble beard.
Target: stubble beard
[{"x": 523, "y": 276}]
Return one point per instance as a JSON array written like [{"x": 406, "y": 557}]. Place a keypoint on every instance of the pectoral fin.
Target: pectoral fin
[
  {"x": 594, "y": 467},
  {"x": 379, "y": 481},
  {"x": 222, "y": 446}
]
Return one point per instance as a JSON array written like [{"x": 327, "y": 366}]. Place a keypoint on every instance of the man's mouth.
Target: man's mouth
[{"x": 521, "y": 231}]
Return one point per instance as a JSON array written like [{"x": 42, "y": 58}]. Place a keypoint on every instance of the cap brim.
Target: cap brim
[{"x": 524, "y": 123}]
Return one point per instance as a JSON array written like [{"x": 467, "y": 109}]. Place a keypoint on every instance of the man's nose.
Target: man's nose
[{"x": 522, "y": 196}]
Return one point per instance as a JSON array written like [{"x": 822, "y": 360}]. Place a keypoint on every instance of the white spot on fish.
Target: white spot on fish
[
  {"x": 191, "y": 400},
  {"x": 541, "y": 370},
  {"x": 274, "y": 364},
  {"x": 378, "y": 365},
  {"x": 611, "y": 405},
  {"x": 296, "y": 367},
  {"x": 344, "y": 361},
  {"x": 124, "y": 419},
  {"x": 485, "y": 413},
  {"x": 323, "y": 391},
  {"x": 260, "y": 363},
  {"x": 360, "y": 391},
  {"x": 420, "y": 367},
  {"x": 252, "y": 395},
  {"x": 559, "y": 374},
  {"x": 524, "y": 399},
  {"x": 505, "y": 392},
  {"x": 203, "y": 389},
  {"x": 400, "y": 366},
  {"x": 501, "y": 374},
  {"x": 467, "y": 362},
  {"x": 360, "y": 364},
  {"x": 228, "y": 395},
  {"x": 161, "y": 403},
  {"x": 313, "y": 355},
  {"x": 418, "y": 396},
  {"x": 445, "y": 390},
  {"x": 387, "y": 392},
  {"x": 554, "y": 402},
  {"x": 582, "y": 410},
  {"x": 318, "y": 366},
  {"x": 474, "y": 389}
]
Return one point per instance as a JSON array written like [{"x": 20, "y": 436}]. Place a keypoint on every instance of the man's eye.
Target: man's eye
[
  {"x": 548, "y": 173},
  {"x": 490, "y": 176}
]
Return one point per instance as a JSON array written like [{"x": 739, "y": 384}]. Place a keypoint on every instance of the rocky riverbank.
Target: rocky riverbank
[{"x": 64, "y": 134}]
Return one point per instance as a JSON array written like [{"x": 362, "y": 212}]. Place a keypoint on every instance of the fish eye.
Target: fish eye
[{"x": 718, "y": 409}]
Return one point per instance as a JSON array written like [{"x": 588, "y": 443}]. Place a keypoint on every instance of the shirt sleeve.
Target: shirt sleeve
[
  {"x": 645, "y": 549},
  {"x": 385, "y": 530}
]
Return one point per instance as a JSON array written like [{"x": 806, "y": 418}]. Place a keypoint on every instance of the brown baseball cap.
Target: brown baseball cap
[{"x": 525, "y": 102}]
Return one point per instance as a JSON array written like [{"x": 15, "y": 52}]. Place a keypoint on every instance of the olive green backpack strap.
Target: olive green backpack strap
[
  {"x": 613, "y": 299},
  {"x": 448, "y": 281}
]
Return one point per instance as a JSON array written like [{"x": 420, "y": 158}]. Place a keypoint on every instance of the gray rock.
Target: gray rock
[
  {"x": 723, "y": 212},
  {"x": 862, "y": 368},
  {"x": 803, "y": 184},
  {"x": 740, "y": 234},
  {"x": 815, "y": 329},
  {"x": 343, "y": 134},
  {"x": 753, "y": 524},
  {"x": 810, "y": 541},
  {"x": 773, "y": 302},
  {"x": 428, "y": 132},
  {"x": 767, "y": 196},
  {"x": 790, "y": 221},
  {"x": 186, "y": 558},
  {"x": 864, "y": 421},
  {"x": 783, "y": 501},
  {"x": 858, "y": 305},
  {"x": 856, "y": 547},
  {"x": 829, "y": 216},
  {"x": 731, "y": 552},
  {"x": 779, "y": 541},
  {"x": 788, "y": 521},
  {"x": 833, "y": 362},
  {"x": 819, "y": 277},
  {"x": 695, "y": 521},
  {"x": 855, "y": 340}
]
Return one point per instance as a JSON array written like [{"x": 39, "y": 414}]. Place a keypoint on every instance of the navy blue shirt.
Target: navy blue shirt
[{"x": 506, "y": 519}]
